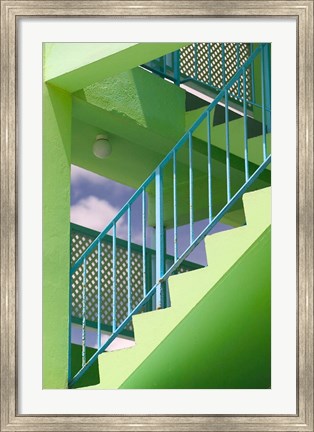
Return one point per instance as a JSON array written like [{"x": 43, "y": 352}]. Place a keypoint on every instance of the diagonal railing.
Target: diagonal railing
[
  {"x": 210, "y": 65},
  {"x": 156, "y": 185},
  {"x": 81, "y": 238}
]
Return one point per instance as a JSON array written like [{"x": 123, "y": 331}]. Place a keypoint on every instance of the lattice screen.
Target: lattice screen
[
  {"x": 79, "y": 242},
  {"x": 188, "y": 66},
  {"x": 204, "y": 63}
]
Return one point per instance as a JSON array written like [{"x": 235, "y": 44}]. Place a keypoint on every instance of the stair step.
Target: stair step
[
  {"x": 150, "y": 323},
  {"x": 224, "y": 251},
  {"x": 260, "y": 200}
]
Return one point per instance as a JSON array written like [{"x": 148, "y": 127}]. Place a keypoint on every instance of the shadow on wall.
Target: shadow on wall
[{"x": 91, "y": 377}]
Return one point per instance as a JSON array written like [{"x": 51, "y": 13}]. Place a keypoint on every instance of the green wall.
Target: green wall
[
  {"x": 70, "y": 67},
  {"x": 143, "y": 98},
  {"x": 91, "y": 377},
  {"x": 64, "y": 58},
  {"x": 73, "y": 66},
  {"x": 216, "y": 334},
  {"x": 143, "y": 116},
  {"x": 57, "y": 110},
  {"x": 225, "y": 340},
  {"x": 130, "y": 106}
]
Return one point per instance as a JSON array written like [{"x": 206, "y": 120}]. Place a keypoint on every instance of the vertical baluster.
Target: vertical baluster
[
  {"x": 252, "y": 77},
  {"x": 168, "y": 264},
  {"x": 114, "y": 275},
  {"x": 267, "y": 87},
  {"x": 153, "y": 275},
  {"x": 175, "y": 227},
  {"x": 223, "y": 64},
  {"x": 263, "y": 103},
  {"x": 195, "y": 61},
  {"x": 144, "y": 242},
  {"x": 164, "y": 64},
  {"x": 150, "y": 281},
  {"x": 164, "y": 284},
  {"x": 227, "y": 146},
  {"x": 129, "y": 263},
  {"x": 246, "y": 150},
  {"x": 84, "y": 315},
  {"x": 176, "y": 72},
  {"x": 99, "y": 296},
  {"x": 70, "y": 330},
  {"x": 238, "y": 66},
  {"x": 159, "y": 236},
  {"x": 70, "y": 317},
  {"x": 209, "y": 65},
  {"x": 209, "y": 164},
  {"x": 191, "y": 187}
]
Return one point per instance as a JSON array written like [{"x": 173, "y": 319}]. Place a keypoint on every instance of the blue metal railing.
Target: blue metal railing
[
  {"x": 98, "y": 306},
  {"x": 155, "y": 182},
  {"x": 211, "y": 66}
]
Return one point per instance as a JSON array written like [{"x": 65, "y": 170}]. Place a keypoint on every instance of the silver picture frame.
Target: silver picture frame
[{"x": 11, "y": 11}]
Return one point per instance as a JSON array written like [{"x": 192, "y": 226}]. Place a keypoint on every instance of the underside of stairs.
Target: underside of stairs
[{"x": 217, "y": 332}]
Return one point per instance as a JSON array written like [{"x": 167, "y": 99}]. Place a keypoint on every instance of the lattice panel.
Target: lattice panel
[
  {"x": 79, "y": 243},
  {"x": 233, "y": 61},
  {"x": 215, "y": 61},
  {"x": 187, "y": 61},
  {"x": 204, "y": 63}
]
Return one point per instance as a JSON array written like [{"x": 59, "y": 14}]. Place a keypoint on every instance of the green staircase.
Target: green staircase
[
  {"x": 235, "y": 217},
  {"x": 216, "y": 334}
]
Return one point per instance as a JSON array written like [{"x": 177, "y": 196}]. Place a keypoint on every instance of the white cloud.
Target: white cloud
[
  {"x": 80, "y": 175},
  {"x": 96, "y": 213}
]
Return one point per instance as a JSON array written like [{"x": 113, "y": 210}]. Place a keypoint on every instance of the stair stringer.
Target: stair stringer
[{"x": 223, "y": 251}]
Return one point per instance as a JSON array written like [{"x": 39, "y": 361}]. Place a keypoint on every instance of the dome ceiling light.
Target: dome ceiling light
[{"x": 102, "y": 147}]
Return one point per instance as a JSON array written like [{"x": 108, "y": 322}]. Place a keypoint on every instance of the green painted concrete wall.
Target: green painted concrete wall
[
  {"x": 57, "y": 158},
  {"x": 219, "y": 314},
  {"x": 91, "y": 377},
  {"x": 143, "y": 116},
  {"x": 225, "y": 341},
  {"x": 131, "y": 108},
  {"x": 57, "y": 110},
  {"x": 73, "y": 66},
  {"x": 63, "y": 58},
  {"x": 143, "y": 98}
]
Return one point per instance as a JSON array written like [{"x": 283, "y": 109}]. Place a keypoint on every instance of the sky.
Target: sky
[{"x": 95, "y": 200}]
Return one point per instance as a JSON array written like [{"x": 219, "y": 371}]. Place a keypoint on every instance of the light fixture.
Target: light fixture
[{"x": 102, "y": 147}]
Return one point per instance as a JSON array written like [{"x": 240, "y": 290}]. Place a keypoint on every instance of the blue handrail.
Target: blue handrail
[
  {"x": 211, "y": 68},
  {"x": 157, "y": 176}
]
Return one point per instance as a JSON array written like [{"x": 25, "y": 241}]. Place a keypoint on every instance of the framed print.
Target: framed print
[{"x": 156, "y": 215}]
